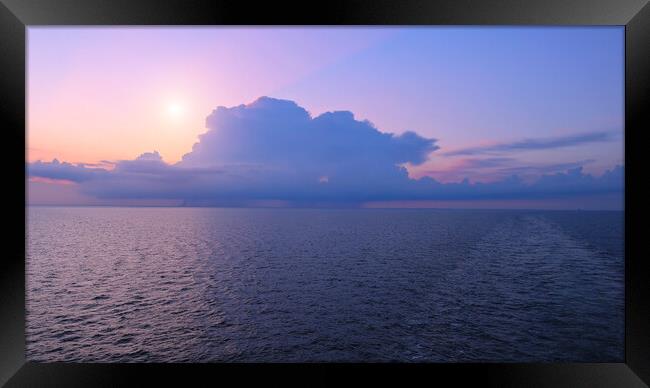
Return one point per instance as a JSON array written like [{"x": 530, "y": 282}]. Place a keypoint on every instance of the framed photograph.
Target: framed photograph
[{"x": 405, "y": 189}]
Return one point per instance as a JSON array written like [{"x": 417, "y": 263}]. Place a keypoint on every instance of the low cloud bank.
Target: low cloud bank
[{"x": 274, "y": 150}]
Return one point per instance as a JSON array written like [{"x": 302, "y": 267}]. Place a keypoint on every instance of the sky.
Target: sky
[{"x": 507, "y": 117}]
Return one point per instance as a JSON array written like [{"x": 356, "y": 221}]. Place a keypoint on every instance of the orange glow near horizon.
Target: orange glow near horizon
[{"x": 37, "y": 179}]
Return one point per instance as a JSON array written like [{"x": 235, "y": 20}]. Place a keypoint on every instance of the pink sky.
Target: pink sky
[{"x": 101, "y": 95}]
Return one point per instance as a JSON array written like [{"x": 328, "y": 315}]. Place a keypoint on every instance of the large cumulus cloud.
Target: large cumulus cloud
[
  {"x": 282, "y": 139},
  {"x": 274, "y": 150}
]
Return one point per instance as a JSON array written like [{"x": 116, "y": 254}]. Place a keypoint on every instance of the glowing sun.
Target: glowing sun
[{"x": 175, "y": 109}]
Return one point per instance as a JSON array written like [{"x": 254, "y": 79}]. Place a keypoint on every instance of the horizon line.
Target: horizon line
[{"x": 323, "y": 207}]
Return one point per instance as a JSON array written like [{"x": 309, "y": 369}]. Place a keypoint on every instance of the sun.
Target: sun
[{"x": 175, "y": 110}]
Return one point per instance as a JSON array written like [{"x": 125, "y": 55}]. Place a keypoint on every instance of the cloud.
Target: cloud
[
  {"x": 570, "y": 183},
  {"x": 280, "y": 133},
  {"x": 65, "y": 171},
  {"x": 495, "y": 168},
  {"x": 274, "y": 150},
  {"x": 536, "y": 144}
]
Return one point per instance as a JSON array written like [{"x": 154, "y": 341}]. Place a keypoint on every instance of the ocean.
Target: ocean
[{"x": 334, "y": 285}]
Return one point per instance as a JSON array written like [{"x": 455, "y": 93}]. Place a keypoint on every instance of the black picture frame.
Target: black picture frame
[{"x": 17, "y": 15}]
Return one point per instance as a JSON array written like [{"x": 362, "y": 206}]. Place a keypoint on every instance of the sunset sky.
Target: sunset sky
[{"x": 480, "y": 116}]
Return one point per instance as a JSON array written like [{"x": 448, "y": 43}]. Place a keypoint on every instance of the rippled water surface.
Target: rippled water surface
[{"x": 207, "y": 284}]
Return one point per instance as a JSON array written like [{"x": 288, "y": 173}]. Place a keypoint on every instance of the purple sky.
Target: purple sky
[{"x": 456, "y": 116}]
